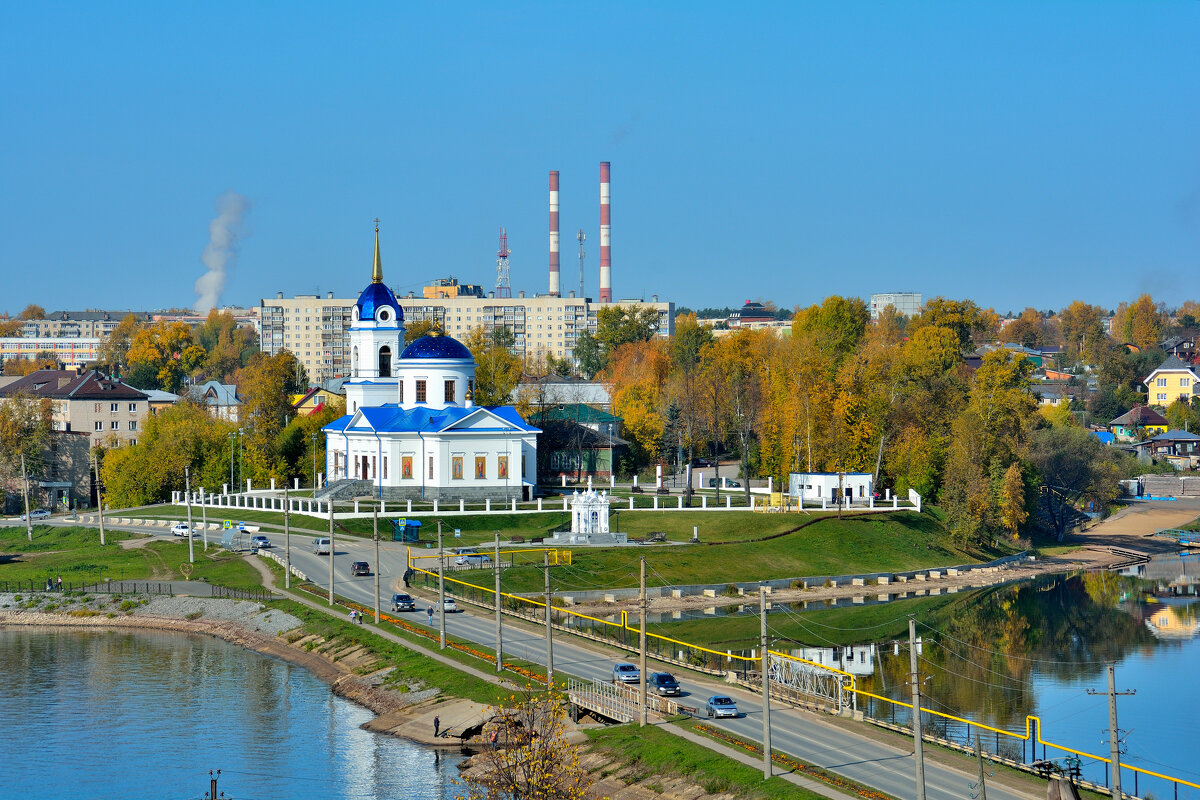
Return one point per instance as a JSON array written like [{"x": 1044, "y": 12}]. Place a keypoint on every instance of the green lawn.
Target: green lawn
[
  {"x": 839, "y": 625},
  {"x": 76, "y": 555},
  {"x": 891, "y": 542}
]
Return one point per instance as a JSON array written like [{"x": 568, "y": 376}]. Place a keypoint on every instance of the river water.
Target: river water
[
  {"x": 103, "y": 714},
  {"x": 1038, "y": 648}
]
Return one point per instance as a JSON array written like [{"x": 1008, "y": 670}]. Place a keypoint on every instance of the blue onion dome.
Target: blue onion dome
[
  {"x": 436, "y": 345},
  {"x": 379, "y": 304}
]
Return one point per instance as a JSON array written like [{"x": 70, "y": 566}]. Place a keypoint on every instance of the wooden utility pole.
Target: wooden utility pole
[
  {"x": 642, "y": 638},
  {"x": 1114, "y": 733},
  {"x": 441, "y": 591},
  {"x": 549, "y": 630},
  {"x": 25, "y": 492},
  {"x": 375, "y": 533},
  {"x": 766, "y": 680},
  {"x": 287, "y": 541},
  {"x": 499, "y": 633},
  {"x": 918, "y": 742},
  {"x": 187, "y": 490}
]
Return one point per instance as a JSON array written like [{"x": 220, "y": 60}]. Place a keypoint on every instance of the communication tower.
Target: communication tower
[
  {"x": 582, "y": 237},
  {"x": 503, "y": 286}
]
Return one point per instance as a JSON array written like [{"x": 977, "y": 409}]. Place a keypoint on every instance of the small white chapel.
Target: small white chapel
[{"x": 411, "y": 429}]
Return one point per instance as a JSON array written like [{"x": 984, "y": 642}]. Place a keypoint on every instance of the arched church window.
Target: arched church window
[
  {"x": 354, "y": 360},
  {"x": 385, "y": 362}
]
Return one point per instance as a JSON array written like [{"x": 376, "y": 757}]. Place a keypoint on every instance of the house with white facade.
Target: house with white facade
[{"x": 411, "y": 429}]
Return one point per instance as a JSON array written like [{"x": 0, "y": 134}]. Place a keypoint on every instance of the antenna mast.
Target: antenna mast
[
  {"x": 503, "y": 286},
  {"x": 582, "y": 237}
]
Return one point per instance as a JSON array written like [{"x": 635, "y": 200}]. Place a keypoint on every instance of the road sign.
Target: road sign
[
  {"x": 227, "y": 524},
  {"x": 457, "y": 533}
]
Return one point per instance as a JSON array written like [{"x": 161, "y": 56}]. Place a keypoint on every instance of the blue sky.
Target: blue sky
[{"x": 1014, "y": 153}]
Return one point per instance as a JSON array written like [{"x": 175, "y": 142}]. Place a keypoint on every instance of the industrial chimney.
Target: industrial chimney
[
  {"x": 605, "y": 237},
  {"x": 554, "y": 233}
]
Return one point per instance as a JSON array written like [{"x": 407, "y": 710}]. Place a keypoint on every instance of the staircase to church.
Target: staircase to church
[{"x": 344, "y": 489}]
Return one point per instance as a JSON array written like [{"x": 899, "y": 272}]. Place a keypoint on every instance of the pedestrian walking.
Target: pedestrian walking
[
  {"x": 352, "y": 616},
  {"x": 430, "y": 610},
  {"x": 60, "y": 583},
  {"x": 437, "y": 725},
  {"x": 492, "y": 738}
]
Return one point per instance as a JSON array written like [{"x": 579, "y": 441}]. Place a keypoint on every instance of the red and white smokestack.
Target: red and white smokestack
[
  {"x": 605, "y": 236},
  {"x": 554, "y": 233}
]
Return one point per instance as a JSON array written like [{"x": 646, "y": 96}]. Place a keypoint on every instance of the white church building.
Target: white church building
[{"x": 411, "y": 430}]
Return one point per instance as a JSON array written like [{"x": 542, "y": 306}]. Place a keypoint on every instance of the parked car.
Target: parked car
[
  {"x": 322, "y": 547},
  {"x": 721, "y": 706},
  {"x": 360, "y": 568},
  {"x": 180, "y": 529},
  {"x": 664, "y": 683},
  {"x": 449, "y": 606},
  {"x": 473, "y": 559},
  {"x": 624, "y": 672},
  {"x": 728, "y": 484},
  {"x": 257, "y": 542},
  {"x": 403, "y": 602}
]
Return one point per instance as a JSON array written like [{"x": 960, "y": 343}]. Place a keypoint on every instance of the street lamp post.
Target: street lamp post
[
  {"x": 241, "y": 462},
  {"x": 232, "y": 483}
]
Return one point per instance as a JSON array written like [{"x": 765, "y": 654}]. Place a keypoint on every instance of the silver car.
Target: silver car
[
  {"x": 721, "y": 706},
  {"x": 624, "y": 672}
]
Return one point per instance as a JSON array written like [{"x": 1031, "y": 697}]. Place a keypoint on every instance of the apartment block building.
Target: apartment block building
[
  {"x": 92, "y": 323},
  {"x": 109, "y": 411},
  {"x": 317, "y": 329},
  {"x": 71, "y": 352},
  {"x": 907, "y": 303}
]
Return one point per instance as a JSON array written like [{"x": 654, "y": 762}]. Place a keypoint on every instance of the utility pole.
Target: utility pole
[
  {"x": 441, "y": 591},
  {"x": 204, "y": 517},
  {"x": 212, "y": 784},
  {"x": 1114, "y": 733},
  {"x": 982, "y": 785},
  {"x": 549, "y": 631},
  {"x": 642, "y": 637},
  {"x": 918, "y": 742},
  {"x": 187, "y": 490},
  {"x": 287, "y": 541},
  {"x": 499, "y": 635},
  {"x": 25, "y": 492},
  {"x": 99, "y": 499},
  {"x": 766, "y": 680},
  {"x": 375, "y": 533},
  {"x": 331, "y": 551}
]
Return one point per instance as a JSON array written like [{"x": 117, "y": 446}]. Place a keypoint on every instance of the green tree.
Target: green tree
[
  {"x": 497, "y": 370},
  {"x": 1082, "y": 328},
  {"x": 617, "y": 325},
  {"x": 226, "y": 346},
  {"x": 1072, "y": 466},
  {"x": 972, "y": 325},
  {"x": 25, "y": 425},
  {"x": 835, "y": 327},
  {"x": 587, "y": 355}
]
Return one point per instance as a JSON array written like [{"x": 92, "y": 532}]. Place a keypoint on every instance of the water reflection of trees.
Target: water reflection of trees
[{"x": 981, "y": 653}]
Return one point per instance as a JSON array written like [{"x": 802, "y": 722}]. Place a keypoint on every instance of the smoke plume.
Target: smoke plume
[{"x": 221, "y": 251}]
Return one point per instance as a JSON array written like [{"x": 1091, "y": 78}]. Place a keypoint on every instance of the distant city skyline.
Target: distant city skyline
[{"x": 1014, "y": 154}]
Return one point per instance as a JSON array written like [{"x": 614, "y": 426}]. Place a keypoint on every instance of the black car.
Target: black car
[
  {"x": 403, "y": 602},
  {"x": 664, "y": 683},
  {"x": 360, "y": 568}
]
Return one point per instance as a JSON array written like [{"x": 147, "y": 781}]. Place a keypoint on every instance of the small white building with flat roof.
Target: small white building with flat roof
[{"x": 815, "y": 486}]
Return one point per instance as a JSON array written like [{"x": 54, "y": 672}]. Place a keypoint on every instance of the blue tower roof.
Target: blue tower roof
[
  {"x": 376, "y": 296},
  {"x": 436, "y": 347}
]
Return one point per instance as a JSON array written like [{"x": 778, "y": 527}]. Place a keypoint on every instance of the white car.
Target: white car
[
  {"x": 449, "y": 606},
  {"x": 322, "y": 547},
  {"x": 180, "y": 529}
]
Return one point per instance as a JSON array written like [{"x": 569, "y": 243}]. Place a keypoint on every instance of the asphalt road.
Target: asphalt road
[{"x": 800, "y": 734}]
